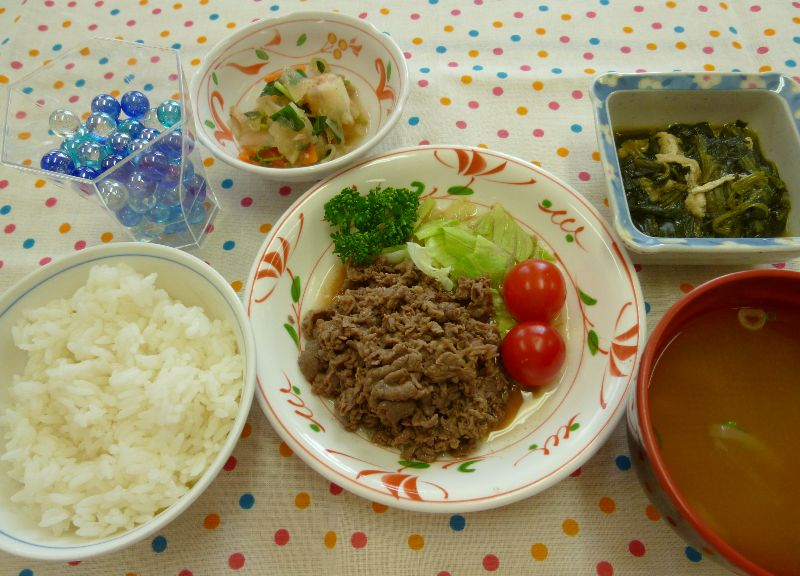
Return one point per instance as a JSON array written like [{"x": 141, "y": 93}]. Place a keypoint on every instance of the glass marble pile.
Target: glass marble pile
[{"x": 151, "y": 185}]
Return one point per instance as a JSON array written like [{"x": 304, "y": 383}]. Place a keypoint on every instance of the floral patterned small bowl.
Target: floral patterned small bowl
[
  {"x": 234, "y": 70},
  {"x": 769, "y": 103},
  {"x": 552, "y": 434}
]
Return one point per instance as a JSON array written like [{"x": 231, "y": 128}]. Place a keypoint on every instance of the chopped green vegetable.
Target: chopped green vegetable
[
  {"x": 697, "y": 181},
  {"x": 363, "y": 225},
  {"x": 318, "y": 125},
  {"x": 290, "y": 116}
]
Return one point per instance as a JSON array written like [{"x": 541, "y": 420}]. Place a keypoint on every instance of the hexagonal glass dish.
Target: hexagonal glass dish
[
  {"x": 768, "y": 103},
  {"x": 175, "y": 204}
]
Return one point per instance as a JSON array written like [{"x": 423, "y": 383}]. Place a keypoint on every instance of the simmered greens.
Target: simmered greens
[{"x": 695, "y": 181}]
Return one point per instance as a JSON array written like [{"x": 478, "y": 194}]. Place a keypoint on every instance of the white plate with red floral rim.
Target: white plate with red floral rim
[{"x": 553, "y": 433}]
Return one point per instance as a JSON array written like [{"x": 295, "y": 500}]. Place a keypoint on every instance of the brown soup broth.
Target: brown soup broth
[{"x": 725, "y": 402}]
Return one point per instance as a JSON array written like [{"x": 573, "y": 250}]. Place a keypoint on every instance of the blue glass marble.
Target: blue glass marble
[
  {"x": 119, "y": 142},
  {"x": 57, "y": 161},
  {"x": 169, "y": 113},
  {"x": 141, "y": 192},
  {"x": 150, "y": 119},
  {"x": 153, "y": 164},
  {"x": 195, "y": 190},
  {"x": 113, "y": 193},
  {"x": 63, "y": 123},
  {"x": 172, "y": 144},
  {"x": 106, "y": 104},
  {"x": 82, "y": 134},
  {"x": 100, "y": 126},
  {"x": 134, "y": 104},
  {"x": 131, "y": 126},
  {"x": 168, "y": 194},
  {"x": 135, "y": 148},
  {"x": 70, "y": 146},
  {"x": 160, "y": 214},
  {"x": 90, "y": 154},
  {"x": 175, "y": 227},
  {"x": 86, "y": 172},
  {"x": 197, "y": 214},
  {"x": 110, "y": 161},
  {"x": 148, "y": 134},
  {"x": 128, "y": 217}
]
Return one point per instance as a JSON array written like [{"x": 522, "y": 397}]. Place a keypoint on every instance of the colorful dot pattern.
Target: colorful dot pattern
[{"x": 512, "y": 76}]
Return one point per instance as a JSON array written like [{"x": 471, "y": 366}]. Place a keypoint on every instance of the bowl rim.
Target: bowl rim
[
  {"x": 649, "y": 358},
  {"x": 309, "y": 172},
  {"x": 241, "y": 323},
  {"x": 637, "y": 241}
]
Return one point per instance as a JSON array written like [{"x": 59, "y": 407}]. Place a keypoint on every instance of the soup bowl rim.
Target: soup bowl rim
[{"x": 656, "y": 341}]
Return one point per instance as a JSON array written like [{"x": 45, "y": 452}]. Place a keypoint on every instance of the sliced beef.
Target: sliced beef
[{"x": 413, "y": 364}]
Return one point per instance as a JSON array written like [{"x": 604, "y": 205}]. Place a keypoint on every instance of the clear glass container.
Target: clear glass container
[{"x": 151, "y": 183}]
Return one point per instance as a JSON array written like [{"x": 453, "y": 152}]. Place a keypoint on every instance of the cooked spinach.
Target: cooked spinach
[{"x": 695, "y": 181}]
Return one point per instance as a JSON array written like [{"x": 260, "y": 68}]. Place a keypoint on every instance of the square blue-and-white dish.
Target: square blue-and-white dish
[{"x": 769, "y": 104}]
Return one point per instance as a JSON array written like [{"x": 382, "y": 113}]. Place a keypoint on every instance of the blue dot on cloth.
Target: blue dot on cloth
[
  {"x": 477, "y": 67},
  {"x": 679, "y": 29},
  {"x": 433, "y": 1},
  {"x": 623, "y": 462},
  {"x": 114, "y": 12},
  {"x": 213, "y": 16},
  {"x": 594, "y": 41},
  {"x": 556, "y": 70},
  {"x": 544, "y": 8},
  {"x": 457, "y": 522},
  {"x": 246, "y": 501},
  {"x": 473, "y": 33},
  {"x": 148, "y": 87},
  {"x": 28, "y": 243},
  {"x": 79, "y": 83},
  {"x": 516, "y": 37},
  {"x": 27, "y": 90},
  {"x": 103, "y": 61},
  {"x": 424, "y": 69},
  {"x": 790, "y": 63},
  {"x": 57, "y": 47},
  {"x": 692, "y": 554},
  {"x": 229, "y": 245},
  {"x": 577, "y": 128},
  {"x": 274, "y": 7},
  {"x": 159, "y": 544},
  {"x": 176, "y": 46},
  {"x": 733, "y": 30},
  {"x": 604, "y": 2},
  {"x": 227, "y": 183},
  {"x": 441, "y": 49},
  {"x": 796, "y": 39},
  {"x": 5, "y": 209},
  {"x": 502, "y": 75},
  {"x": 647, "y": 307},
  {"x": 26, "y": 572},
  {"x": 413, "y": 121}
]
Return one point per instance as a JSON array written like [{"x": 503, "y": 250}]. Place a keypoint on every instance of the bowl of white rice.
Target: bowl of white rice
[{"x": 127, "y": 372}]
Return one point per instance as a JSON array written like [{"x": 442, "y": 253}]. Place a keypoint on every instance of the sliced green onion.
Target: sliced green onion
[
  {"x": 290, "y": 116},
  {"x": 318, "y": 126}
]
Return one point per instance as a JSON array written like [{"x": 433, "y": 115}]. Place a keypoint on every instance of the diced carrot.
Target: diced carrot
[{"x": 309, "y": 155}]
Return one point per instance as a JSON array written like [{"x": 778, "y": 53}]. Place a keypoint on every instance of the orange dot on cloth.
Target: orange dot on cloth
[
  {"x": 106, "y": 237},
  {"x": 39, "y": 183},
  {"x": 652, "y": 513},
  {"x": 416, "y": 41},
  {"x": 177, "y": 6},
  {"x": 605, "y": 201},
  {"x": 247, "y": 430},
  {"x": 330, "y": 539},
  {"x": 497, "y": 24},
  {"x": 539, "y": 551},
  {"x": 537, "y": 85},
  {"x": 115, "y": 93},
  {"x": 670, "y": 4},
  {"x": 541, "y": 31},
  {"x": 66, "y": 23},
  {"x": 448, "y": 28},
  {"x": 24, "y": 135},
  {"x": 736, "y": 45},
  {"x": 651, "y": 46},
  {"x": 132, "y": 61},
  {"x": 302, "y": 500},
  {"x": 211, "y": 522},
  {"x": 3, "y": 79},
  {"x": 230, "y": 25},
  {"x": 236, "y": 285},
  {"x": 713, "y": 33},
  {"x": 680, "y": 45},
  {"x": 164, "y": 33},
  {"x": 384, "y": 11},
  {"x": 264, "y": 228},
  {"x": 445, "y": 101},
  {"x": 765, "y": 68},
  {"x": 543, "y": 54},
  {"x": 769, "y": 32},
  {"x": 195, "y": 62},
  {"x": 563, "y": 152},
  {"x": 208, "y": 162},
  {"x": 589, "y": 71},
  {"x": 570, "y": 527},
  {"x": 607, "y": 504},
  {"x": 596, "y": 156},
  {"x": 416, "y": 542},
  {"x": 627, "y": 29},
  {"x": 466, "y": 79},
  {"x": 284, "y": 450},
  {"x": 685, "y": 287},
  {"x": 65, "y": 227},
  {"x": 379, "y": 508},
  {"x": 175, "y": 96},
  {"x": 58, "y": 84},
  {"x": 796, "y": 19},
  {"x": 566, "y": 17},
  {"x": 723, "y": 5},
  {"x": 709, "y": 67},
  {"x": 27, "y": 162},
  {"x": 473, "y": 53},
  {"x": 33, "y": 52},
  {"x": 522, "y": 111}
]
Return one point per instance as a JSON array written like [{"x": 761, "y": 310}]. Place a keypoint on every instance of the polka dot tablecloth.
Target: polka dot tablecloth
[{"x": 509, "y": 75}]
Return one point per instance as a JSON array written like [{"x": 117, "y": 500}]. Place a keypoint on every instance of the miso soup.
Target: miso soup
[{"x": 725, "y": 405}]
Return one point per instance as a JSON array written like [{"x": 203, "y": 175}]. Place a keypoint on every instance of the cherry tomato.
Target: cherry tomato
[
  {"x": 534, "y": 290},
  {"x": 533, "y": 353}
]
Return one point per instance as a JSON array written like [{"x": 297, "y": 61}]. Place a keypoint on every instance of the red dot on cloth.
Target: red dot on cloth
[
  {"x": 282, "y": 537},
  {"x": 584, "y": 176},
  {"x": 9, "y": 228},
  {"x": 638, "y": 8},
  {"x": 604, "y": 569},
  {"x": 131, "y": 23},
  {"x": 502, "y": 133},
  {"x": 576, "y": 473},
  {"x": 538, "y": 132},
  {"x": 497, "y": 91},
  {"x": 155, "y": 59},
  {"x": 473, "y": 104},
  {"x": 491, "y": 562},
  {"x": 335, "y": 489},
  {"x": 708, "y": 50},
  {"x": 625, "y": 49},
  {"x": 577, "y": 94},
  {"x": 80, "y": 244},
  {"x": 1, "y": 263},
  {"x": 497, "y": 51},
  {"x": 74, "y": 563},
  {"x": 3, "y": 184},
  {"x": 230, "y": 464},
  {"x": 415, "y": 16},
  {"x": 443, "y": 573},
  {"x": 185, "y": 572},
  {"x": 422, "y": 83},
  {"x": 16, "y": 65},
  {"x": 188, "y": 23},
  {"x": 236, "y": 560},
  {"x": 358, "y": 540},
  {"x": 591, "y": 14},
  {"x": 762, "y": 49},
  {"x": 554, "y": 105},
  {"x": 461, "y": 124},
  {"x": 92, "y": 26},
  {"x": 50, "y": 202},
  {"x": 284, "y": 190},
  {"x": 45, "y": 260},
  {"x": 755, "y": 8},
  {"x": 73, "y": 99},
  {"x": 636, "y": 548},
  {"x": 42, "y": 27},
  {"x": 108, "y": 75},
  {"x": 20, "y": 115}
]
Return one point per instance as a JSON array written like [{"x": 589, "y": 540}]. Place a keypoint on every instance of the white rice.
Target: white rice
[{"x": 126, "y": 398}]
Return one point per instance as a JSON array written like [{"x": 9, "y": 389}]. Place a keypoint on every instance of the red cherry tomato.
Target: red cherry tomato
[
  {"x": 534, "y": 290},
  {"x": 533, "y": 353}
]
